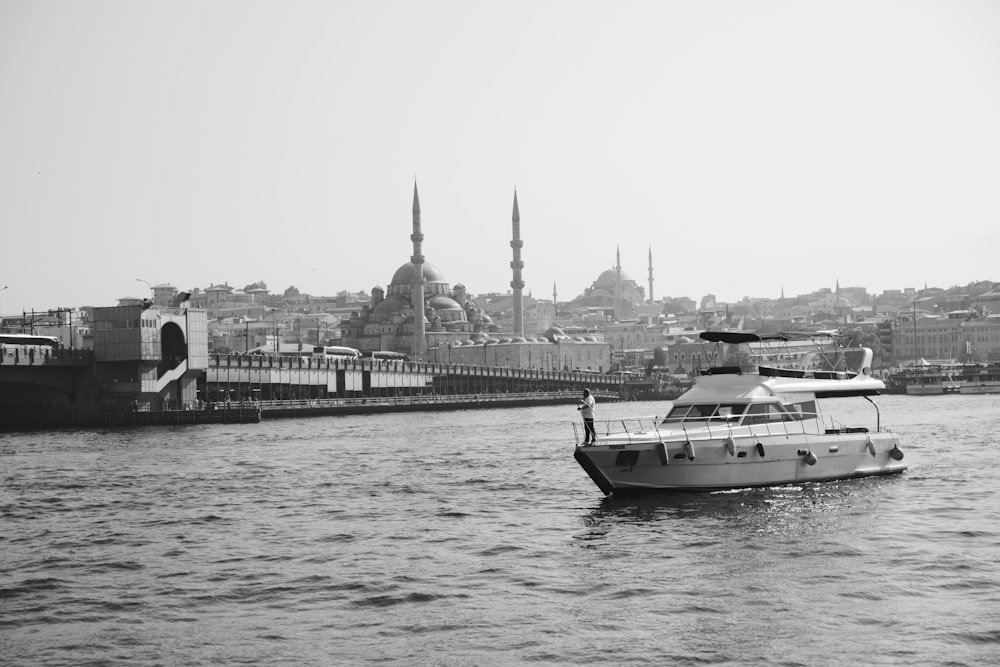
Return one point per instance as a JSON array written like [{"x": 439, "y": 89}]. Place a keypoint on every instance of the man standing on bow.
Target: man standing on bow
[{"x": 587, "y": 408}]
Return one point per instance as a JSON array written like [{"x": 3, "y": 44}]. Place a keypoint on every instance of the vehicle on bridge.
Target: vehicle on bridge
[
  {"x": 335, "y": 352},
  {"x": 22, "y": 348},
  {"x": 383, "y": 355}
]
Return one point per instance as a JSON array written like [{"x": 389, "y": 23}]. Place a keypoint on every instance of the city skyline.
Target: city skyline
[
  {"x": 146, "y": 288},
  {"x": 754, "y": 148}
]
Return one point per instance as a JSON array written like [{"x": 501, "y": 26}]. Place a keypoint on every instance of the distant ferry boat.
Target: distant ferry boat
[{"x": 936, "y": 379}]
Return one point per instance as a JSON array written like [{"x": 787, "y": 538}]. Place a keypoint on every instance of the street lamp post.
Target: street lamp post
[
  {"x": 274, "y": 328},
  {"x": 140, "y": 280}
]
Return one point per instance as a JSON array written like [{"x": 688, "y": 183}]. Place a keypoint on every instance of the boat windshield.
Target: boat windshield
[
  {"x": 733, "y": 413},
  {"x": 705, "y": 412},
  {"x": 763, "y": 413},
  {"x": 802, "y": 409}
]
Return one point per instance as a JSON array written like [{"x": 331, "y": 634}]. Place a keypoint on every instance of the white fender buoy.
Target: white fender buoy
[
  {"x": 810, "y": 458},
  {"x": 689, "y": 450},
  {"x": 871, "y": 446},
  {"x": 731, "y": 445},
  {"x": 896, "y": 453}
]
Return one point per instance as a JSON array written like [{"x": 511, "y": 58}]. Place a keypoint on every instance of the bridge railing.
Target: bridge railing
[{"x": 417, "y": 399}]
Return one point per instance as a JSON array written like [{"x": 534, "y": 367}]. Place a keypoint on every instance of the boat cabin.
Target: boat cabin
[{"x": 739, "y": 414}]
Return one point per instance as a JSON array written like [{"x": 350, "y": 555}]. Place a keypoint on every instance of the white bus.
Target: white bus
[
  {"x": 383, "y": 355},
  {"x": 335, "y": 352},
  {"x": 22, "y": 348}
]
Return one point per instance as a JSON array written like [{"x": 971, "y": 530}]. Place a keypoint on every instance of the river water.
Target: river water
[{"x": 473, "y": 538}]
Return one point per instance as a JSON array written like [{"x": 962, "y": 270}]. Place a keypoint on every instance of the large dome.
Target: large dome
[
  {"x": 391, "y": 306},
  {"x": 404, "y": 274},
  {"x": 402, "y": 280},
  {"x": 447, "y": 309},
  {"x": 445, "y": 303},
  {"x": 611, "y": 276}
]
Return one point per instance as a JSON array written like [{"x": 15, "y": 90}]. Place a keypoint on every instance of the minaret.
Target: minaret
[
  {"x": 517, "y": 284},
  {"x": 651, "y": 299},
  {"x": 417, "y": 294}
]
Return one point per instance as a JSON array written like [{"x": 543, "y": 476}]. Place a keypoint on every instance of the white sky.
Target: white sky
[{"x": 753, "y": 146}]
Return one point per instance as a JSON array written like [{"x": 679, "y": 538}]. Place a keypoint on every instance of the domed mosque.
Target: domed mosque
[
  {"x": 388, "y": 323},
  {"x": 449, "y": 328},
  {"x": 614, "y": 289},
  {"x": 445, "y": 308}
]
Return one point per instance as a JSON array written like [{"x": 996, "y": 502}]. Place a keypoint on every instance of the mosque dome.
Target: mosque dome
[
  {"x": 445, "y": 303},
  {"x": 404, "y": 274},
  {"x": 391, "y": 306},
  {"x": 402, "y": 280},
  {"x": 611, "y": 276},
  {"x": 447, "y": 309}
]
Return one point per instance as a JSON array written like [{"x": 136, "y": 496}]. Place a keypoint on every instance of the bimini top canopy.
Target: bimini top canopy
[{"x": 739, "y": 337}]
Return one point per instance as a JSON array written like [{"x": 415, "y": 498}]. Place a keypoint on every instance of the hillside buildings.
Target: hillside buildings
[{"x": 613, "y": 323}]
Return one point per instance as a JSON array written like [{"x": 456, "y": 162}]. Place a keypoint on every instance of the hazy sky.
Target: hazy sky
[{"x": 754, "y": 146}]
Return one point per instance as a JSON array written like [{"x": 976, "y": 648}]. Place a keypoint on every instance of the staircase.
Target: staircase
[{"x": 169, "y": 376}]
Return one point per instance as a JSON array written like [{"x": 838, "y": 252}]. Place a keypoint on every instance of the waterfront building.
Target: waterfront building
[
  {"x": 164, "y": 294},
  {"x": 963, "y": 335},
  {"x": 149, "y": 356}
]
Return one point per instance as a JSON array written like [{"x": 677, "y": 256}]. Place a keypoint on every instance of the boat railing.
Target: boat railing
[
  {"x": 644, "y": 429},
  {"x": 638, "y": 428}
]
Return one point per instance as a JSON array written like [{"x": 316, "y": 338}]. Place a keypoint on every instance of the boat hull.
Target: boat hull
[
  {"x": 980, "y": 388},
  {"x": 719, "y": 464},
  {"x": 924, "y": 389}
]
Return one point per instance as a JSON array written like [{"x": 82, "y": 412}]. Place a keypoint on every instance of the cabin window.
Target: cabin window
[
  {"x": 764, "y": 413},
  {"x": 731, "y": 411},
  {"x": 705, "y": 412},
  {"x": 802, "y": 410}
]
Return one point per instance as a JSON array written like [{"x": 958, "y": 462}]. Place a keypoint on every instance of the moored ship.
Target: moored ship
[{"x": 936, "y": 379}]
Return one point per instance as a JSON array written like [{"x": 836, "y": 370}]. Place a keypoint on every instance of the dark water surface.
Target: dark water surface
[{"x": 473, "y": 538}]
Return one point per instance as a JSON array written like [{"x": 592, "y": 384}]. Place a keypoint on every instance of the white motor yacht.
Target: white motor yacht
[{"x": 740, "y": 428}]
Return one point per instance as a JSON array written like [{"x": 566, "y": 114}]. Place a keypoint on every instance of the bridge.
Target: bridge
[
  {"x": 63, "y": 389},
  {"x": 265, "y": 378}
]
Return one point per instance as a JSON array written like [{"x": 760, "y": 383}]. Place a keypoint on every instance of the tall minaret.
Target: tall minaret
[
  {"x": 517, "y": 284},
  {"x": 417, "y": 295},
  {"x": 651, "y": 300}
]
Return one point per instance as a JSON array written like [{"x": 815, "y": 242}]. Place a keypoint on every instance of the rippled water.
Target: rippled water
[{"x": 473, "y": 538}]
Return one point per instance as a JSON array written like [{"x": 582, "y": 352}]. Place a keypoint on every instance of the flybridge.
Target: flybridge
[
  {"x": 809, "y": 361},
  {"x": 785, "y": 354}
]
